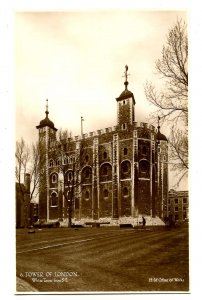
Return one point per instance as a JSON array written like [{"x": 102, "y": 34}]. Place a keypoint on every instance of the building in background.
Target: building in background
[
  {"x": 178, "y": 205},
  {"x": 23, "y": 202},
  {"x": 124, "y": 173},
  {"x": 26, "y": 211}
]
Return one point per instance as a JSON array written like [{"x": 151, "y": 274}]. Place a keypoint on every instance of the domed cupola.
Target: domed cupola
[
  {"x": 46, "y": 122},
  {"x": 159, "y": 135}
]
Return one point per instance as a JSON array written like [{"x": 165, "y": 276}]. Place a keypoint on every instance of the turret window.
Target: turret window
[{"x": 124, "y": 126}]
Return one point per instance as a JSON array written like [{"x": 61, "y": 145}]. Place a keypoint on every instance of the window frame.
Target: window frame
[
  {"x": 54, "y": 175},
  {"x": 56, "y": 196}
]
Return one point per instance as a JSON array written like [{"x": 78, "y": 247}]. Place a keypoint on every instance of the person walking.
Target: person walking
[{"x": 143, "y": 222}]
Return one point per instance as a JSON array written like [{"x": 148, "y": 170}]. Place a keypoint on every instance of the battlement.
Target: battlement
[
  {"x": 106, "y": 130},
  {"x": 95, "y": 133},
  {"x": 144, "y": 125}
]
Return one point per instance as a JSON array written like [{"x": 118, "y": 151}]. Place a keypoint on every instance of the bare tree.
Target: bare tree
[
  {"x": 27, "y": 161},
  {"x": 69, "y": 162},
  {"x": 171, "y": 101},
  {"x": 22, "y": 156},
  {"x": 37, "y": 150}
]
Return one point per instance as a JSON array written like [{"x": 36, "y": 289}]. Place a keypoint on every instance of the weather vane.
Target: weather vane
[
  {"x": 126, "y": 74},
  {"x": 47, "y": 107},
  {"x": 126, "y": 77},
  {"x": 159, "y": 122}
]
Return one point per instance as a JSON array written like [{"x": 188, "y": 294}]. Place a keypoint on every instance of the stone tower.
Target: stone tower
[
  {"x": 47, "y": 134},
  {"x": 123, "y": 173}
]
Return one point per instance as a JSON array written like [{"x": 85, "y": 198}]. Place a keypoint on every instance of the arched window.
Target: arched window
[
  {"x": 105, "y": 172},
  {"x": 87, "y": 195},
  {"x": 77, "y": 203},
  {"x": 125, "y": 151},
  {"x": 70, "y": 176},
  {"x": 106, "y": 194},
  {"x": 105, "y": 155},
  {"x": 51, "y": 163},
  {"x": 86, "y": 175},
  {"x": 125, "y": 192},
  {"x": 125, "y": 169},
  {"x": 53, "y": 199},
  {"x": 58, "y": 162},
  {"x": 144, "y": 168},
  {"x": 144, "y": 150},
  {"x": 54, "y": 178}
]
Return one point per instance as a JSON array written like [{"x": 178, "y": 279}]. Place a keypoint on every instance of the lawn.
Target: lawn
[{"x": 103, "y": 259}]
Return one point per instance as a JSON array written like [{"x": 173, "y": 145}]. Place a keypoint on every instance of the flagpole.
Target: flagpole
[{"x": 82, "y": 127}]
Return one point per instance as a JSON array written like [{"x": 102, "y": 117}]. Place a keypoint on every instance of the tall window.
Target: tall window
[
  {"x": 70, "y": 176},
  {"x": 184, "y": 200},
  {"x": 144, "y": 168},
  {"x": 54, "y": 178},
  {"x": 125, "y": 192},
  {"x": 86, "y": 175},
  {"x": 124, "y": 126},
  {"x": 125, "y": 151},
  {"x": 53, "y": 199},
  {"x": 106, "y": 194},
  {"x": 51, "y": 163},
  {"x": 105, "y": 170},
  {"x": 144, "y": 150},
  {"x": 87, "y": 195},
  {"x": 125, "y": 169},
  {"x": 105, "y": 155}
]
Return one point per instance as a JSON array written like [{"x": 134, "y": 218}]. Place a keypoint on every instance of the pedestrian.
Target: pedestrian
[{"x": 143, "y": 222}]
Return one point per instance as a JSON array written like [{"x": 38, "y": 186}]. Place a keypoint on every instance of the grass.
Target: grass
[{"x": 105, "y": 259}]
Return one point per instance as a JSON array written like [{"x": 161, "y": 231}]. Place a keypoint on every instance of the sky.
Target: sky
[{"x": 76, "y": 60}]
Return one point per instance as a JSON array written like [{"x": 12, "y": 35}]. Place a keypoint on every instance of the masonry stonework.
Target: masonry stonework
[{"x": 123, "y": 171}]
